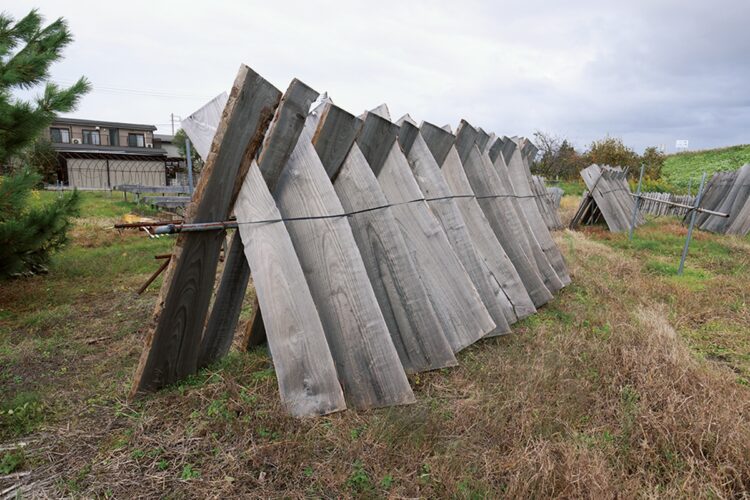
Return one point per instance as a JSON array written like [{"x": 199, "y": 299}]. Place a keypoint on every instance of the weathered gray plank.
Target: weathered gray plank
[
  {"x": 466, "y": 138},
  {"x": 433, "y": 185},
  {"x": 502, "y": 216},
  {"x": 306, "y": 374},
  {"x": 172, "y": 346},
  {"x": 279, "y": 141},
  {"x": 453, "y": 295},
  {"x": 412, "y": 322},
  {"x": 366, "y": 360},
  {"x": 482, "y": 234},
  {"x": 529, "y": 227},
  {"x": 520, "y": 175},
  {"x": 482, "y": 139}
]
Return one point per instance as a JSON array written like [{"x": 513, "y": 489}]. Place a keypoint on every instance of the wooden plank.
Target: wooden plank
[
  {"x": 334, "y": 136},
  {"x": 282, "y": 135},
  {"x": 438, "y": 140},
  {"x": 466, "y": 137},
  {"x": 171, "y": 348},
  {"x": 375, "y": 139},
  {"x": 416, "y": 332},
  {"x": 454, "y": 297},
  {"x": 505, "y": 221},
  {"x": 482, "y": 234},
  {"x": 520, "y": 175},
  {"x": 366, "y": 360},
  {"x": 522, "y": 203},
  {"x": 305, "y": 371},
  {"x": 433, "y": 185},
  {"x": 482, "y": 139}
]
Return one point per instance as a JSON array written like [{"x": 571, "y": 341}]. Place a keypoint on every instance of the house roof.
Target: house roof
[{"x": 94, "y": 123}]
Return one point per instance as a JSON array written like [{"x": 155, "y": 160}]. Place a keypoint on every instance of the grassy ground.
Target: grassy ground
[
  {"x": 631, "y": 382},
  {"x": 679, "y": 168}
]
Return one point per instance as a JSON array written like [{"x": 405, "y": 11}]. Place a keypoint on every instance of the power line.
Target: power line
[{"x": 142, "y": 92}]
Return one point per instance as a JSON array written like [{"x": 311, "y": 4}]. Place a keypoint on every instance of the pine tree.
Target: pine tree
[{"x": 28, "y": 234}]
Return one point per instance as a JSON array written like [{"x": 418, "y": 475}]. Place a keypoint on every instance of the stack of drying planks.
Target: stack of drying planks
[
  {"x": 727, "y": 192},
  {"x": 608, "y": 197},
  {"x": 376, "y": 249}
]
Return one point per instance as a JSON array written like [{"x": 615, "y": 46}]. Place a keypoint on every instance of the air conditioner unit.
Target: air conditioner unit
[
  {"x": 76, "y": 141},
  {"x": 149, "y": 145}
]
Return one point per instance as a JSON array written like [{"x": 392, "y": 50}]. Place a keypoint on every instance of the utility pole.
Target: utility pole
[{"x": 172, "y": 116}]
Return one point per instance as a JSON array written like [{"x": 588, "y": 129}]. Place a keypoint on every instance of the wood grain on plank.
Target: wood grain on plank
[
  {"x": 412, "y": 322},
  {"x": 520, "y": 175},
  {"x": 433, "y": 185},
  {"x": 279, "y": 141},
  {"x": 172, "y": 345},
  {"x": 529, "y": 227},
  {"x": 502, "y": 216},
  {"x": 305, "y": 371},
  {"x": 367, "y": 362},
  {"x": 462, "y": 314}
]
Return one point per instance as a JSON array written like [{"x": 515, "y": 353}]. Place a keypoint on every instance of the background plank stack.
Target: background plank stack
[
  {"x": 608, "y": 197},
  {"x": 376, "y": 249},
  {"x": 727, "y": 192}
]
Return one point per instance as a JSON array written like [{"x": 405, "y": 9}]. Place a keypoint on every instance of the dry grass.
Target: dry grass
[{"x": 610, "y": 391}]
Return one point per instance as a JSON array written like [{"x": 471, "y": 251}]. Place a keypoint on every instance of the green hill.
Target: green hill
[{"x": 681, "y": 167}]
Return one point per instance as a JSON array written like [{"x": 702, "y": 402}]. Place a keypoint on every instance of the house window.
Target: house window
[
  {"x": 60, "y": 135},
  {"x": 114, "y": 137},
  {"x": 91, "y": 137},
  {"x": 136, "y": 141}
]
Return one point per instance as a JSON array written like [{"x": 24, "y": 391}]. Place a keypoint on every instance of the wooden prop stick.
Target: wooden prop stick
[
  {"x": 305, "y": 370},
  {"x": 496, "y": 202},
  {"x": 455, "y": 299},
  {"x": 440, "y": 143},
  {"x": 366, "y": 360},
  {"x": 280, "y": 139},
  {"x": 171, "y": 349},
  {"x": 412, "y": 321},
  {"x": 432, "y": 183}
]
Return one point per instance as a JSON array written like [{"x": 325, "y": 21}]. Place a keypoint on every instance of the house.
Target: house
[
  {"x": 166, "y": 142},
  {"x": 94, "y": 154}
]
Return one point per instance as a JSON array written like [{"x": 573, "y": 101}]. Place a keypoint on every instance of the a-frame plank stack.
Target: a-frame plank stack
[{"x": 376, "y": 249}]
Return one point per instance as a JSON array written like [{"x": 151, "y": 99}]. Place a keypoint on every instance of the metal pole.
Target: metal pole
[
  {"x": 690, "y": 227},
  {"x": 189, "y": 164},
  {"x": 637, "y": 202}
]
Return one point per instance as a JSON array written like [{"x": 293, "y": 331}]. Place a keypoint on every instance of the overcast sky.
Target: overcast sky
[{"x": 650, "y": 72}]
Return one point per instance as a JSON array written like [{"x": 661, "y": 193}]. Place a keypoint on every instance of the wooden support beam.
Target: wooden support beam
[
  {"x": 277, "y": 147},
  {"x": 172, "y": 346}
]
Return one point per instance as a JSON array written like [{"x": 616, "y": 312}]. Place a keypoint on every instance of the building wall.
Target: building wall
[
  {"x": 76, "y": 132},
  {"x": 92, "y": 173}
]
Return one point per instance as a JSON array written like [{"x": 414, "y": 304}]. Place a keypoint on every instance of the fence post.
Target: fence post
[
  {"x": 690, "y": 227},
  {"x": 189, "y": 164},
  {"x": 637, "y": 202}
]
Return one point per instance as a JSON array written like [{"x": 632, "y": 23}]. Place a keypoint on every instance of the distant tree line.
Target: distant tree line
[{"x": 558, "y": 159}]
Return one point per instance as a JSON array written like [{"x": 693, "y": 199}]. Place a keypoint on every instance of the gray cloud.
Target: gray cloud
[{"x": 650, "y": 72}]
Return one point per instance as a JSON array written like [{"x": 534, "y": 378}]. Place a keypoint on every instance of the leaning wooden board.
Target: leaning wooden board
[
  {"x": 432, "y": 184},
  {"x": 412, "y": 321},
  {"x": 279, "y": 141},
  {"x": 366, "y": 360},
  {"x": 440, "y": 143},
  {"x": 172, "y": 345},
  {"x": 455, "y": 299},
  {"x": 552, "y": 281},
  {"x": 520, "y": 175},
  {"x": 305, "y": 371},
  {"x": 502, "y": 216}
]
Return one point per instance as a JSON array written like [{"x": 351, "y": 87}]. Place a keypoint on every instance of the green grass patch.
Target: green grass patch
[{"x": 681, "y": 168}]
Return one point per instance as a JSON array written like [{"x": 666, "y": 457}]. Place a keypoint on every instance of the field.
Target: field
[
  {"x": 632, "y": 382},
  {"x": 682, "y": 167}
]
